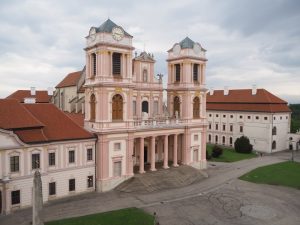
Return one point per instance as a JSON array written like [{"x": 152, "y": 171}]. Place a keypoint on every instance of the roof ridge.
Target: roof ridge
[{"x": 23, "y": 105}]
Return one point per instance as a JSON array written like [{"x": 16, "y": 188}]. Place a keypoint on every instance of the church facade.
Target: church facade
[{"x": 124, "y": 106}]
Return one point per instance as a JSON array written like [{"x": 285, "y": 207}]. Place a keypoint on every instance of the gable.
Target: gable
[{"x": 9, "y": 140}]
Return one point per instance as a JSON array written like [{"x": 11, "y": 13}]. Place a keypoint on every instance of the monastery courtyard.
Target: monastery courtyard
[{"x": 219, "y": 199}]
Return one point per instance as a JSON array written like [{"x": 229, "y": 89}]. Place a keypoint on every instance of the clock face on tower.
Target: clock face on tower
[{"x": 117, "y": 33}]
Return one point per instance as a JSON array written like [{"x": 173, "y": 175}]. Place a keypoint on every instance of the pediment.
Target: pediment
[{"x": 9, "y": 140}]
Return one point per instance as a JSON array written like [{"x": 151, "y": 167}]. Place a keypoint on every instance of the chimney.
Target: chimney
[
  {"x": 50, "y": 91},
  {"x": 254, "y": 89},
  {"x": 211, "y": 91},
  {"x": 32, "y": 91},
  {"x": 226, "y": 90}
]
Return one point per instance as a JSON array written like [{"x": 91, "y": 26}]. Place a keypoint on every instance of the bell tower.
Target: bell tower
[
  {"x": 186, "y": 81},
  {"x": 108, "y": 80}
]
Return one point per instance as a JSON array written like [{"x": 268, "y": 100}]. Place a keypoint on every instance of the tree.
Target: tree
[
  {"x": 242, "y": 145},
  {"x": 216, "y": 151}
]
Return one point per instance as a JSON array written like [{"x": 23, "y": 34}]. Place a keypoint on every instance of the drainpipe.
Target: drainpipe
[
  {"x": 95, "y": 180},
  {"x": 272, "y": 134}
]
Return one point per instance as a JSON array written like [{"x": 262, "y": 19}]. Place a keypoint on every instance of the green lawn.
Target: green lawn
[
  {"x": 285, "y": 174},
  {"x": 129, "y": 216},
  {"x": 229, "y": 155}
]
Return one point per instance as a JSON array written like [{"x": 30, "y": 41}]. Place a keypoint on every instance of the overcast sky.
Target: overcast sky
[{"x": 247, "y": 42}]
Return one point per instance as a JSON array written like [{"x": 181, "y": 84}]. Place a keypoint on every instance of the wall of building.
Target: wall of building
[
  {"x": 256, "y": 126},
  {"x": 60, "y": 173}
]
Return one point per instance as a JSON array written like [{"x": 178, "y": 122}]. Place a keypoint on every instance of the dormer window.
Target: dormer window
[
  {"x": 195, "y": 72},
  {"x": 177, "y": 72},
  {"x": 94, "y": 64},
  {"x": 145, "y": 76},
  {"x": 116, "y": 63}
]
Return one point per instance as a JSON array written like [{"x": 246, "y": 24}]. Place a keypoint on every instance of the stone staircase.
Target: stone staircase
[{"x": 161, "y": 179}]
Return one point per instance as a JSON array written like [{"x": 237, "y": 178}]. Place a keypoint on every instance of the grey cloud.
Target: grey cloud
[{"x": 247, "y": 41}]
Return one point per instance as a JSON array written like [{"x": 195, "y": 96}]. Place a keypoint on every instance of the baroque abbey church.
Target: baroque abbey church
[{"x": 124, "y": 106}]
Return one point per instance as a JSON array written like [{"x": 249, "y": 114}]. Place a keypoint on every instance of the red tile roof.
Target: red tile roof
[
  {"x": 70, "y": 80},
  {"x": 243, "y": 100},
  {"x": 14, "y": 115},
  {"x": 40, "y": 96},
  {"x": 36, "y": 123},
  {"x": 77, "y": 118}
]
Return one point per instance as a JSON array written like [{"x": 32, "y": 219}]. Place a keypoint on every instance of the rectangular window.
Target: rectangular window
[
  {"x": 217, "y": 126},
  {"x": 94, "y": 63},
  {"x": 134, "y": 108},
  {"x": 177, "y": 72},
  {"x": 14, "y": 164},
  {"x": 89, "y": 154},
  {"x": 265, "y": 118},
  {"x": 15, "y": 197},
  {"x": 196, "y": 137},
  {"x": 72, "y": 185},
  {"x": 195, "y": 72},
  {"x": 231, "y": 128},
  {"x": 257, "y": 117},
  {"x": 116, "y": 64},
  {"x": 117, "y": 169},
  {"x": 117, "y": 146},
  {"x": 52, "y": 188},
  {"x": 35, "y": 161},
  {"x": 224, "y": 127},
  {"x": 51, "y": 156},
  {"x": 90, "y": 181},
  {"x": 209, "y": 126},
  {"x": 241, "y": 129},
  {"x": 155, "y": 108},
  {"x": 71, "y": 156}
]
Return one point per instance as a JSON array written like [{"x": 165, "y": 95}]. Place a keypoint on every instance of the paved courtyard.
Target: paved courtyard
[{"x": 219, "y": 199}]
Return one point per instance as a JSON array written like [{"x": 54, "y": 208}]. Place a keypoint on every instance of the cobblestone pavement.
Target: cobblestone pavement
[{"x": 219, "y": 199}]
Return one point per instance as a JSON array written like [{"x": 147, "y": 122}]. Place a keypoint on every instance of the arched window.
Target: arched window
[
  {"x": 92, "y": 107},
  {"x": 274, "y": 145},
  {"x": 216, "y": 139},
  {"x": 145, "y": 75},
  {"x": 145, "y": 107},
  {"x": 195, "y": 72},
  {"x": 196, "y": 107},
  {"x": 116, "y": 64},
  {"x": 274, "y": 131},
  {"x": 176, "y": 106},
  {"x": 94, "y": 64},
  {"x": 117, "y": 107},
  {"x": 209, "y": 138},
  {"x": 177, "y": 72},
  {"x": 223, "y": 140}
]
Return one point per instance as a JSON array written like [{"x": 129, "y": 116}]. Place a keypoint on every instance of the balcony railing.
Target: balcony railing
[{"x": 158, "y": 123}]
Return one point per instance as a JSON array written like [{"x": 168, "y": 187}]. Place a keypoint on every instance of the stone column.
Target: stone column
[
  {"x": 175, "y": 151},
  {"x": 153, "y": 154},
  {"x": 142, "y": 169},
  {"x": 166, "y": 148},
  {"x": 130, "y": 144},
  {"x": 37, "y": 203}
]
